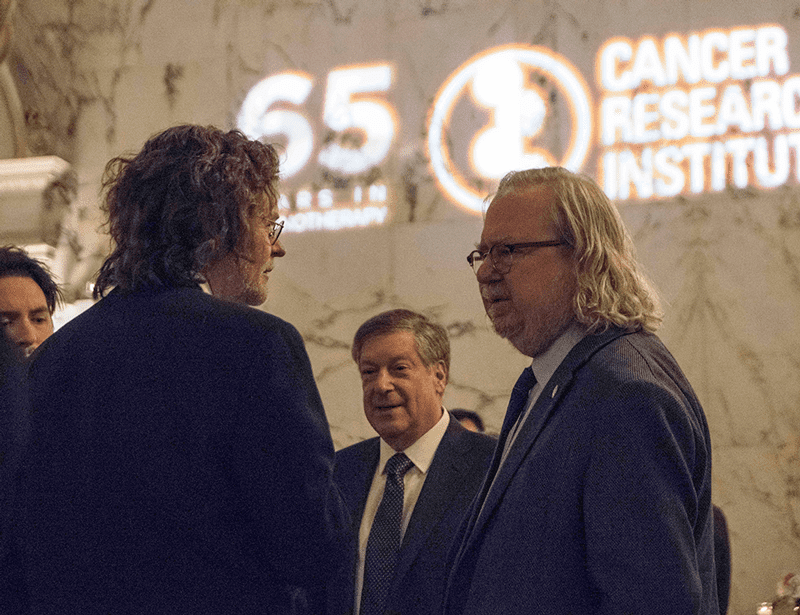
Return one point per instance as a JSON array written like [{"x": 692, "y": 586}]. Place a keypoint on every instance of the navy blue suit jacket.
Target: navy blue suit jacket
[
  {"x": 454, "y": 477},
  {"x": 180, "y": 461},
  {"x": 603, "y": 505},
  {"x": 13, "y": 416}
]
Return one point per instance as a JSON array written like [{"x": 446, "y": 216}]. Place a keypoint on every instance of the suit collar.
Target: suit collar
[
  {"x": 546, "y": 364},
  {"x": 545, "y": 405},
  {"x": 586, "y": 348},
  {"x": 450, "y": 465},
  {"x": 354, "y": 473}
]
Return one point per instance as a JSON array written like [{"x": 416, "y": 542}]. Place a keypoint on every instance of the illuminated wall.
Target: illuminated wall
[
  {"x": 398, "y": 118},
  {"x": 699, "y": 113}
]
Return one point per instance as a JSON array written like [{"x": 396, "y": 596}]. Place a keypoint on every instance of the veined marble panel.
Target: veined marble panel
[{"x": 729, "y": 271}]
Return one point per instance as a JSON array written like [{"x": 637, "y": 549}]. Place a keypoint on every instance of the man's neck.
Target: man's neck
[
  {"x": 545, "y": 364},
  {"x": 421, "y": 452}
]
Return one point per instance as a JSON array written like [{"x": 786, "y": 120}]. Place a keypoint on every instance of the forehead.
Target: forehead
[
  {"x": 21, "y": 293},
  {"x": 389, "y": 346},
  {"x": 519, "y": 215}
]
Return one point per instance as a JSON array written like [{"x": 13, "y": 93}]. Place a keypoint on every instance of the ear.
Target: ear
[{"x": 439, "y": 370}]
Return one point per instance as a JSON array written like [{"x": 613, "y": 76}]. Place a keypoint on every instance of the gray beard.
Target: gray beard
[{"x": 524, "y": 337}]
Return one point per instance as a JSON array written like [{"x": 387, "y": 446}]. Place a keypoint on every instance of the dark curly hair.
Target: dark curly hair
[
  {"x": 15, "y": 262},
  {"x": 182, "y": 202}
]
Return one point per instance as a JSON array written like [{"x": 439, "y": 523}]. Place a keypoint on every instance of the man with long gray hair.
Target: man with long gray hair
[{"x": 598, "y": 499}]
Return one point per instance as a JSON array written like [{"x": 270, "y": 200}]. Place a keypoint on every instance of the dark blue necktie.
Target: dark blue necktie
[
  {"x": 518, "y": 401},
  {"x": 383, "y": 543},
  {"x": 516, "y": 404}
]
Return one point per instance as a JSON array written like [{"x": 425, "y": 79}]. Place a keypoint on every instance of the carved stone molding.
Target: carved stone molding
[{"x": 35, "y": 195}]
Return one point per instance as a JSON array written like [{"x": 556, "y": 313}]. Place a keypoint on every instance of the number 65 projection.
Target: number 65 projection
[
  {"x": 364, "y": 125},
  {"x": 498, "y": 81}
]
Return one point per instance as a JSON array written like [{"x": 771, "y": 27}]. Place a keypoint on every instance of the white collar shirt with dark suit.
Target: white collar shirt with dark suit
[
  {"x": 421, "y": 455},
  {"x": 180, "y": 462},
  {"x": 603, "y": 503},
  {"x": 544, "y": 366},
  {"x": 450, "y": 464}
]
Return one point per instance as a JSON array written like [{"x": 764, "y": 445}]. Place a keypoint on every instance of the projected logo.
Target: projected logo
[
  {"x": 519, "y": 107},
  {"x": 358, "y": 130},
  {"x": 687, "y": 113},
  {"x": 695, "y": 113}
]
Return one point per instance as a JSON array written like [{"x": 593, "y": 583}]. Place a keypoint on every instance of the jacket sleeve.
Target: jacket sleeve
[
  {"x": 645, "y": 489},
  {"x": 283, "y": 460}
]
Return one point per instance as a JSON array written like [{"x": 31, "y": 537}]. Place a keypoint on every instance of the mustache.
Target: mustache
[
  {"x": 381, "y": 401},
  {"x": 492, "y": 293}
]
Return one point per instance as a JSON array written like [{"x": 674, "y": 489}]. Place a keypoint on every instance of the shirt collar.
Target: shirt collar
[
  {"x": 422, "y": 451},
  {"x": 206, "y": 288},
  {"x": 546, "y": 364}
]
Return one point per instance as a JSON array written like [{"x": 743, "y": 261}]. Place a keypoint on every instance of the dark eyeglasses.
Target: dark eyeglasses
[
  {"x": 500, "y": 255},
  {"x": 275, "y": 229}
]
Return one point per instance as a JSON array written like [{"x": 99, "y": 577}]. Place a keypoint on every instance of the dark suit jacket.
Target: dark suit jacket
[
  {"x": 180, "y": 462},
  {"x": 603, "y": 505},
  {"x": 722, "y": 559},
  {"x": 455, "y": 475},
  {"x": 13, "y": 414}
]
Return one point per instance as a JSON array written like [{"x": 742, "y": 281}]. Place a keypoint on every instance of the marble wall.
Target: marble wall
[{"x": 97, "y": 77}]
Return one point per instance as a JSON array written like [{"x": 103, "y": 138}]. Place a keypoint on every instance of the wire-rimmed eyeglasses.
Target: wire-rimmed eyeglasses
[
  {"x": 275, "y": 229},
  {"x": 500, "y": 255}
]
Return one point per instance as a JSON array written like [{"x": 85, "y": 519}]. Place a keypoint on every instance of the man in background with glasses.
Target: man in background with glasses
[
  {"x": 598, "y": 499},
  {"x": 180, "y": 460}
]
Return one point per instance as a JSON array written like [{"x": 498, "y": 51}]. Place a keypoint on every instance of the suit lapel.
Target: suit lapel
[
  {"x": 543, "y": 409},
  {"x": 354, "y": 477},
  {"x": 353, "y": 473},
  {"x": 442, "y": 485}
]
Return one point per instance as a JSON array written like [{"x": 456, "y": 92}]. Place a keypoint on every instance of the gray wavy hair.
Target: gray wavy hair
[
  {"x": 612, "y": 290},
  {"x": 433, "y": 343}
]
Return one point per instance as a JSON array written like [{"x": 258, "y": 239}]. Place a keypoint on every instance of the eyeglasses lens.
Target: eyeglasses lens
[
  {"x": 501, "y": 258},
  {"x": 275, "y": 231},
  {"x": 475, "y": 260}
]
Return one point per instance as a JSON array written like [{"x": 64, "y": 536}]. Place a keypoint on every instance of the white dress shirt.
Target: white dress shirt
[
  {"x": 421, "y": 454},
  {"x": 544, "y": 366}
]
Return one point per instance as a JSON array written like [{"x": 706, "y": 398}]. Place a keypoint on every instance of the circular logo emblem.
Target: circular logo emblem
[{"x": 520, "y": 98}]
